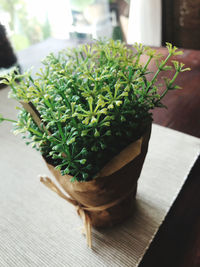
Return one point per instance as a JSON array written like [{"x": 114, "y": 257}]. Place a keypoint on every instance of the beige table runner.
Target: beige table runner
[{"x": 37, "y": 228}]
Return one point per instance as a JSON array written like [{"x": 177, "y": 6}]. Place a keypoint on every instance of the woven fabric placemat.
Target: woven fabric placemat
[{"x": 37, "y": 228}]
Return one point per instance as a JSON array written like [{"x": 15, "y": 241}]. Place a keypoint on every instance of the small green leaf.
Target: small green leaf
[
  {"x": 94, "y": 148},
  {"x": 85, "y": 176},
  {"x": 108, "y": 133},
  {"x": 84, "y": 132},
  {"x": 93, "y": 120},
  {"x": 96, "y": 133},
  {"x": 70, "y": 141},
  {"x": 82, "y": 161},
  {"x": 111, "y": 106}
]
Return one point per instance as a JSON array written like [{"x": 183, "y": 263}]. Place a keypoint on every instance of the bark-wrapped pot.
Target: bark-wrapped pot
[{"x": 109, "y": 198}]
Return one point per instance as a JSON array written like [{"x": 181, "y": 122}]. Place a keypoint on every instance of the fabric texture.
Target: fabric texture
[{"x": 38, "y": 228}]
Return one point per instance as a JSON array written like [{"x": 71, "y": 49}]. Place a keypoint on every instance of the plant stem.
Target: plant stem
[
  {"x": 35, "y": 131},
  {"x": 5, "y": 119},
  {"x": 146, "y": 65},
  {"x": 63, "y": 139},
  {"x": 138, "y": 58},
  {"x": 13, "y": 88},
  {"x": 69, "y": 106},
  {"x": 174, "y": 78},
  {"x": 158, "y": 71},
  {"x": 169, "y": 85},
  {"x": 60, "y": 131}
]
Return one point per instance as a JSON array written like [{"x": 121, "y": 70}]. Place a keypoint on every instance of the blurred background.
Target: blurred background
[
  {"x": 152, "y": 22},
  {"x": 31, "y": 21}
]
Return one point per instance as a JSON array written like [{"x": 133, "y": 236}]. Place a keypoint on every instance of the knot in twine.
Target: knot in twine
[{"x": 82, "y": 210}]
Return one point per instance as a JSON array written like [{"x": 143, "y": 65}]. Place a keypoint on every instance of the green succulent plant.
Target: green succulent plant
[{"x": 92, "y": 101}]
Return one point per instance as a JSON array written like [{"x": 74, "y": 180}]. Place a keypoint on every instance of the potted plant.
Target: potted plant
[{"x": 88, "y": 112}]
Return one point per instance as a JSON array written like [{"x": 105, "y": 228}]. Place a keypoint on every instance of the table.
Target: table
[{"x": 178, "y": 241}]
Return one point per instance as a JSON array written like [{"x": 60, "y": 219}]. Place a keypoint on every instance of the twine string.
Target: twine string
[{"x": 82, "y": 210}]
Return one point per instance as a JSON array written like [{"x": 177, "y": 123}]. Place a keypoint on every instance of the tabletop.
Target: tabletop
[
  {"x": 178, "y": 240},
  {"x": 177, "y": 243}
]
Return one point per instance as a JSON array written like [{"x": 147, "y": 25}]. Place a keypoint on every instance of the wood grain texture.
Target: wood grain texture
[
  {"x": 177, "y": 243},
  {"x": 181, "y": 23},
  {"x": 183, "y": 113}
]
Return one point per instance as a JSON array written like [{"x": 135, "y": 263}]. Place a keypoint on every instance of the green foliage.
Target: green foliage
[{"x": 94, "y": 100}]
